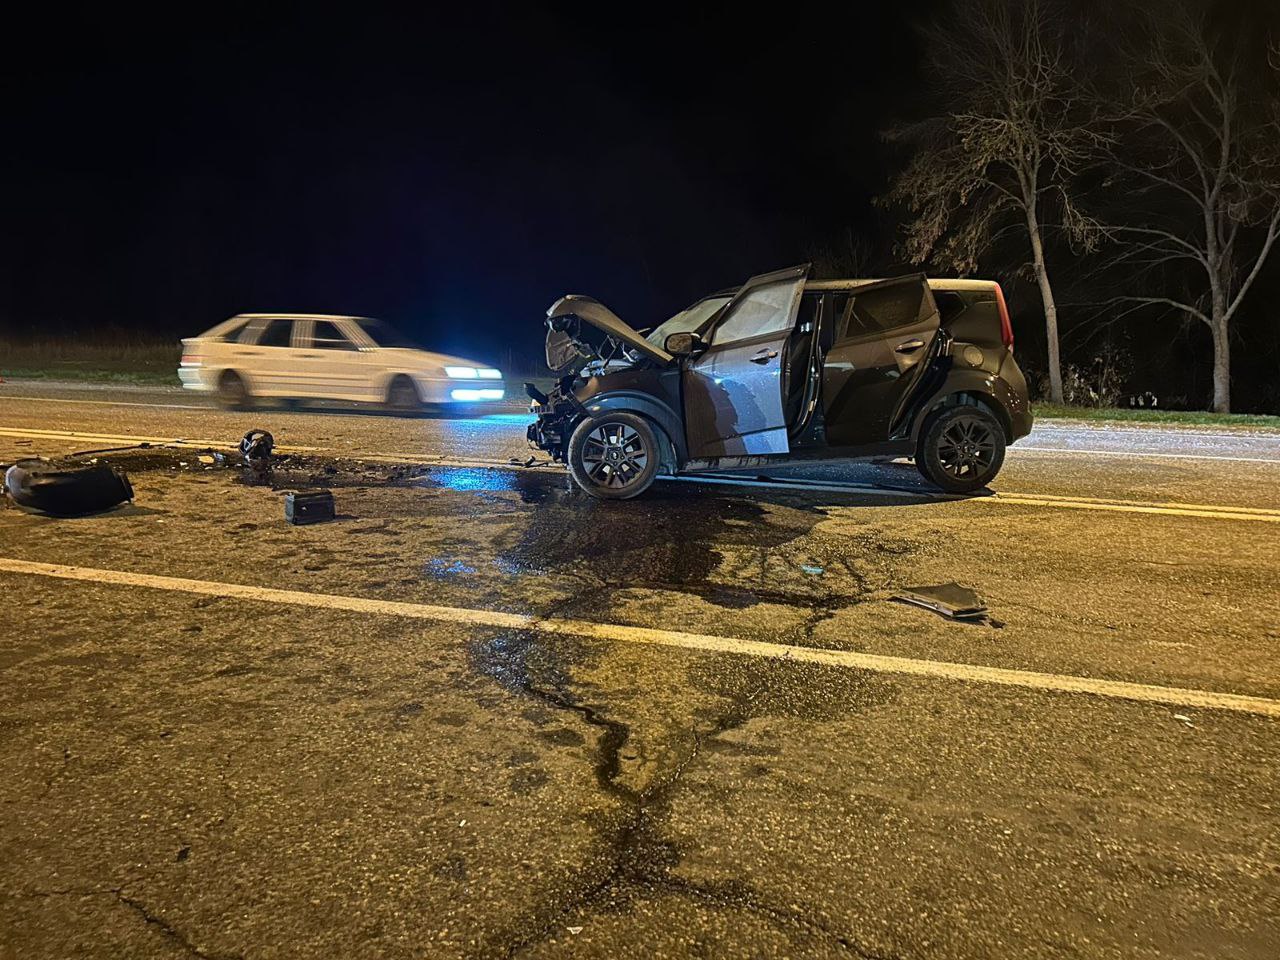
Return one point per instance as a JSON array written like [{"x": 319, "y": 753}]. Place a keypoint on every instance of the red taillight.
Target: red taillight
[
  {"x": 190, "y": 359},
  {"x": 1006, "y": 325}
]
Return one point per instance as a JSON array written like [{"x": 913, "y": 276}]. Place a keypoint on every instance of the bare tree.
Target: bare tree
[
  {"x": 1001, "y": 155},
  {"x": 849, "y": 255},
  {"x": 1196, "y": 155}
]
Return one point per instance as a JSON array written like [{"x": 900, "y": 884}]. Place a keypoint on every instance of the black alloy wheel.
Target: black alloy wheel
[
  {"x": 961, "y": 449},
  {"x": 614, "y": 457}
]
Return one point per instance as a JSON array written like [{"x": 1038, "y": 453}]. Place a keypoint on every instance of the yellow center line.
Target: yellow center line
[
  {"x": 1055, "y": 501},
  {"x": 23, "y": 433},
  {"x": 620, "y": 633}
]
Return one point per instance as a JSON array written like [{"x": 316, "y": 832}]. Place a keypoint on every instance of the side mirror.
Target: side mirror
[{"x": 684, "y": 344}]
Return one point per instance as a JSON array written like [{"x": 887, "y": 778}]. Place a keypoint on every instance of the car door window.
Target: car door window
[
  {"x": 327, "y": 336},
  {"x": 876, "y": 311},
  {"x": 276, "y": 333},
  {"x": 766, "y": 309}
]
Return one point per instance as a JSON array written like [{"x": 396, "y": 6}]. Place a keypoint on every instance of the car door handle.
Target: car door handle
[
  {"x": 764, "y": 355},
  {"x": 907, "y": 346}
]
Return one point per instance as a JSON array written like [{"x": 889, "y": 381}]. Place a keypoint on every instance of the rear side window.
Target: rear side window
[
  {"x": 950, "y": 305},
  {"x": 327, "y": 336},
  {"x": 276, "y": 333},
  {"x": 766, "y": 309},
  {"x": 877, "y": 311}
]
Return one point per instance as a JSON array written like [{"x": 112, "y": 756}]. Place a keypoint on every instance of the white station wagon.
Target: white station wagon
[{"x": 293, "y": 356}]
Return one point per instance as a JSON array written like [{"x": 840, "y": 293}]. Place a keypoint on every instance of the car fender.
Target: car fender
[
  {"x": 1010, "y": 409},
  {"x": 647, "y": 406}
]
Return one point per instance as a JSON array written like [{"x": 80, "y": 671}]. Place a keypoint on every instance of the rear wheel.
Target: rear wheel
[
  {"x": 614, "y": 457},
  {"x": 961, "y": 449},
  {"x": 402, "y": 397},
  {"x": 233, "y": 394}
]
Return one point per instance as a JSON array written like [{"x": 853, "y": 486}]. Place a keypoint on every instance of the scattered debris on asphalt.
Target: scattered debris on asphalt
[
  {"x": 256, "y": 446},
  {"x": 950, "y": 600},
  {"x": 315, "y": 506},
  {"x": 66, "y": 492}
]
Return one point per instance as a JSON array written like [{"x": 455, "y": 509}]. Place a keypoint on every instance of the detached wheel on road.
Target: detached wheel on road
[
  {"x": 402, "y": 398},
  {"x": 961, "y": 449},
  {"x": 233, "y": 394},
  {"x": 614, "y": 457}
]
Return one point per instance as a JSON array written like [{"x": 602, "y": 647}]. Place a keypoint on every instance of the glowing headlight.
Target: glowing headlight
[
  {"x": 489, "y": 373},
  {"x": 461, "y": 373},
  {"x": 471, "y": 395}
]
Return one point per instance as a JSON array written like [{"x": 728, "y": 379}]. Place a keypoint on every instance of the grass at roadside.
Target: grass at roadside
[
  {"x": 1061, "y": 411},
  {"x": 119, "y": 361}
]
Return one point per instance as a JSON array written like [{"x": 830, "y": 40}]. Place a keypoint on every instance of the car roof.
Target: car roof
[
  {"x": 935, "y": 283},
  {"x": 297, "y": 316}
]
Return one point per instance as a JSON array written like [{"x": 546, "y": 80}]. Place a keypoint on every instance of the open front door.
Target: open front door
[
  {"x": 733, "y": 404},
  {"x": 884, "y": 334}
]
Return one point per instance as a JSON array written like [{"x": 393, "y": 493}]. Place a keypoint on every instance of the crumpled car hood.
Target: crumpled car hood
[{"x": 602, "y": 318}]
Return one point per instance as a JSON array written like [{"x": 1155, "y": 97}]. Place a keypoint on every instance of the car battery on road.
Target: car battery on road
[{"x": 313, "y": 507}]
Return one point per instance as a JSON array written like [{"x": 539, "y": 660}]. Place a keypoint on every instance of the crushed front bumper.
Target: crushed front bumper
[{"x": 556, "y": 419}]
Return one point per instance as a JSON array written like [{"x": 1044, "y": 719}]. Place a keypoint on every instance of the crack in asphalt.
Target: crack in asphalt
[
  {"x": 639, "y": 858},
  {"x": 168, "y": 929},
  {"x": 134, "y": 904}
]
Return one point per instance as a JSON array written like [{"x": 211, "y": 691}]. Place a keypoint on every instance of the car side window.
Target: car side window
[
  {"x": 276, "y": 333},
  {"x": 766, "y": 309},
  {"x": 878, "y": 311},
  {"x": 327, "y": 336},
  {"x": 950, "y": 305}
]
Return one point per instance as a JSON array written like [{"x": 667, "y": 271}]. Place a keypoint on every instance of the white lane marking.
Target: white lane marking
[
  {"x": 113, "y": 403},
  {"x": 932, "y": 669},
  {"x": 1206, "y": 511},
  {"x": 1019, "y": 448}
]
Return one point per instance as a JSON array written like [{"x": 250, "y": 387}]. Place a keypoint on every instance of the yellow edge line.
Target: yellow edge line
[{"x": 849, "y": 659}]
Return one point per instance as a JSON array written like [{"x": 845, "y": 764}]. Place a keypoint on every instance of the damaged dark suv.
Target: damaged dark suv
[{"x": 786, "y": 369}]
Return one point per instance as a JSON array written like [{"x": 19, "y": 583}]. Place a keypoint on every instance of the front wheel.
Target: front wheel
[
  {"x": 615, "y": 456},
  {"x": 961, "y": 449},
  {"x": 402, "y": 398}
]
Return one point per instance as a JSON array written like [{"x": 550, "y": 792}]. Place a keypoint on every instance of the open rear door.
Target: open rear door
[
  {"x": 884, "y": 336},
  {"x": 733, "y": 403}
]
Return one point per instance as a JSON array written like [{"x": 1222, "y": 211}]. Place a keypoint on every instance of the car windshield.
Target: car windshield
[
  {"x": 686, "y": 320},
  {"x": 385, "y": 335}
]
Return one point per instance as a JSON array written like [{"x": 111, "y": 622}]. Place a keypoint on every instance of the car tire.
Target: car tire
[
  {"x": 233, "y": 392},
  {"x": 960, "y": 449},
  {"x": 615, "y": 456},
  {"x": 402, "y": 397}
]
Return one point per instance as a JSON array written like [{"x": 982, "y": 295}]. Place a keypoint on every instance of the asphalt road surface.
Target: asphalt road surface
[{"x": 480, "y": 715}]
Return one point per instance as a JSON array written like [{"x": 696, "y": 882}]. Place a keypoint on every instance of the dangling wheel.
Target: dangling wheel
[
  {"x": 961, "y": 449},
  {"x": 615, "y": 456}
]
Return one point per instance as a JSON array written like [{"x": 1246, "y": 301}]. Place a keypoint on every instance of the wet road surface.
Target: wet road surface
[{"x": 485, "y": 716}]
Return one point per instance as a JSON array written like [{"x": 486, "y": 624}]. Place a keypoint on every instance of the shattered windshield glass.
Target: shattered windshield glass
[{"x": 687, "y": 320}]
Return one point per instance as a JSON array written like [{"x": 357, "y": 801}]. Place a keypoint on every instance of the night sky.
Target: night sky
[{"x": 451, "y": 172}]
